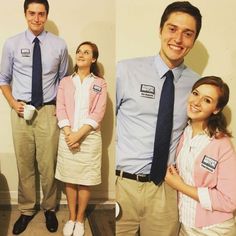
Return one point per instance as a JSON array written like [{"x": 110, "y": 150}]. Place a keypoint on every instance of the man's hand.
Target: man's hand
[{"x": 18, "y": 107}]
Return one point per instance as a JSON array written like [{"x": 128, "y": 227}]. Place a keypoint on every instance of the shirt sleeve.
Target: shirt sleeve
[
  {"x": 61, "y": 107},
  {"x": 97, "y": 113},
  {"x": 91, "y": 122},
  {"x": 204, "y": 198},
  {"x": 119, "y": 86},
  {"x": 6, "y": 64},
  {"x": 223, "y": 195},
  {"x": 64, "y": 63}
]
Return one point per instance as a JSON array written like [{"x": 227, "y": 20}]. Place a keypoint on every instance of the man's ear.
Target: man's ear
[{"x": 159, "y": 33}]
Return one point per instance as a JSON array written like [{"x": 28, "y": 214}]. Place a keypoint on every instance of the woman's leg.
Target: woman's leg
[
  {"x": 71, "y": 195},
  {"x": 83, "y": 198}
]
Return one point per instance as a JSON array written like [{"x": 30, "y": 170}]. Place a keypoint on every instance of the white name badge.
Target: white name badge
[{"x": 209, "y": 163}]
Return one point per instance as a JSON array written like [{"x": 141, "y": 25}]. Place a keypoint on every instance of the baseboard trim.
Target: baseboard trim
[
  {"x": 11, "y": 198},
  {"x": 98, "y": 203}
]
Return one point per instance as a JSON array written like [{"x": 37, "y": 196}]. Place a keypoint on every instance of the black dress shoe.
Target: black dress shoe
[
  {"x": 51, "y": 221},
  {"x": 21, "y": 224}
]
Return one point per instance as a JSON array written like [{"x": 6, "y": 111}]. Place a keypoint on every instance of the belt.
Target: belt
[
  {"x": 139, "y": 177},
  {"x": 53, "y": 102}
]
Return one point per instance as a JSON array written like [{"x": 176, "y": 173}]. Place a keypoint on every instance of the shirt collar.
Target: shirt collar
[
  {"x": 31, "y": 36},
  {"x": 204, "y": 132},
  {"x": 89, "y": 75},
  {"x": 162, "y": 68}
]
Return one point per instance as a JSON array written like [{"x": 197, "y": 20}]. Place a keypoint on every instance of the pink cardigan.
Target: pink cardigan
[
  {"x": 221, "y": 181},
  {"x": 65, "y": 107}
]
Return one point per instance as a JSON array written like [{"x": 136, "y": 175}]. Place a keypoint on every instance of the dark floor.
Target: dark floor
[{"x": 100, "y": 221}]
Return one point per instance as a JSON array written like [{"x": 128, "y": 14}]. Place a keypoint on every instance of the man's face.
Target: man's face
[
  {"x": 36, "y": 17},
  {"x": 177, "y": 38}
]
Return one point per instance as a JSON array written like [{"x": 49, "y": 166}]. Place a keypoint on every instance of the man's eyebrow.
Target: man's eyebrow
[
  {"x": 171, "y": 24},
  {"x": 40, "y": 12},
  {"x": 193, "y": 31},
  {"x": 176, "y": 26}
]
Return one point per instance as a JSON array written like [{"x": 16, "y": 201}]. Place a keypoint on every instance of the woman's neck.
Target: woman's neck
[
  {"x": 83, "y": 73},
  {"x": 197, "y": 127}
]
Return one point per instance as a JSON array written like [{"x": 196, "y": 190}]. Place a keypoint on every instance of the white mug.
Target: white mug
[{"x": 28, "y": 112}]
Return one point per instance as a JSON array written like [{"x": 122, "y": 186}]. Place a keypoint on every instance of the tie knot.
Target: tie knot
[
  {"x": 36, "y": 40},
  {"x": 169, "y": 74}
]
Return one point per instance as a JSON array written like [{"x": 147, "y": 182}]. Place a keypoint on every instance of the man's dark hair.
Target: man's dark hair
[
  {"x": 44, "y": 2},
  {"x": 186, "y": 7}
]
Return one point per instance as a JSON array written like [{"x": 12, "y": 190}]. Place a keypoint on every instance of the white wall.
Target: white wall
[
  {"x": 75, "y": 21},
  {"x": 137, "y": 34}
]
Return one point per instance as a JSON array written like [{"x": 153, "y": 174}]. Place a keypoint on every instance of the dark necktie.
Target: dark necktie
[
  {"x": 163, "y": 130},
  {"x": 37, "y": 91}
]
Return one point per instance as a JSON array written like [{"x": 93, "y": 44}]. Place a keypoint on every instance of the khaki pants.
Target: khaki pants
[
  {"x": 227, "y": 228},
  {"x": 146, "y": 209},
  {"x": 36, "y": 141}
]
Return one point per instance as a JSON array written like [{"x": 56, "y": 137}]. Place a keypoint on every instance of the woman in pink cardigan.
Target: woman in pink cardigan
[
  {"x": 205, "y": 172},
  {"x": 81, "y": 104}
]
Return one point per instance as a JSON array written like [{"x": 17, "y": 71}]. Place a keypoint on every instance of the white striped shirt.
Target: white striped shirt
[
  {"x": 81, "y": 97},
  {"x": 185, "y": 162}
]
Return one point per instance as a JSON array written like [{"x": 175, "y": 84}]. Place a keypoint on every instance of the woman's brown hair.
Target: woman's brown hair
[
  {"x": 217, "y": 124},
  {"x": 94, "y": 67}
]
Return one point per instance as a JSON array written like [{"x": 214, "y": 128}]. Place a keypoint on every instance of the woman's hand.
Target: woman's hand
[
  {"x": 176, "y": 182},
  {"x": 173, "y": 178},
  {"x": 71, "y": 139}
]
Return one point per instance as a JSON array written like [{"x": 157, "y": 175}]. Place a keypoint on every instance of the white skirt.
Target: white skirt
[{"x": 82, "y": 166}]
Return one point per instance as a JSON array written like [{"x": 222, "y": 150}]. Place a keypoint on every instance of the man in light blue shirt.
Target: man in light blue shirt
[
  {"x": 35, "y": 140},
  {"x": 147, "y": 208}
]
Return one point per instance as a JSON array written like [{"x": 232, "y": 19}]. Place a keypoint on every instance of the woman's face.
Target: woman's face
[
  {"x": 202, "y": 102},
  {"x": 84, "y": 57}
]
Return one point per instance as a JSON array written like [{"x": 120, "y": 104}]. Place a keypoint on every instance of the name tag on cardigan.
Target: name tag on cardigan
[
  {"x": 97, "y": 88},
  {"x": 209, "y": 163},
  {"x": 147, "y": 91}
]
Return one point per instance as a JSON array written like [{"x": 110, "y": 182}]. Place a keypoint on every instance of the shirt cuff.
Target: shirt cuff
[
  {"x": 204, "y": 198},
  {"x": 91, "y": 122},
  {"x": 63, "y": 123}
]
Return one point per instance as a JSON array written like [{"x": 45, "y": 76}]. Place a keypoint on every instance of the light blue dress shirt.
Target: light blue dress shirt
[
  {"x": 16, "y": 64},
  {"x": 139, "y": 84}
]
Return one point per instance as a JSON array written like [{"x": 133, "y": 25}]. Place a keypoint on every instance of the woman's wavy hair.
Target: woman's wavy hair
[
  {"x": 217, "y": 124},
  {"x": 94, "y": 67}
]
